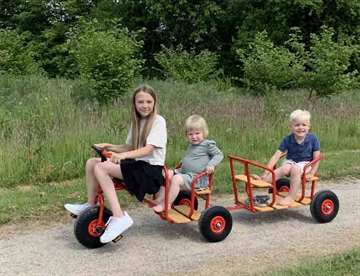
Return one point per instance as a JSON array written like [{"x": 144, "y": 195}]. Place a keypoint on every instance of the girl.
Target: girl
[
  {"x": 141, "y": 162},
  {"x": 201, "y": 155}
]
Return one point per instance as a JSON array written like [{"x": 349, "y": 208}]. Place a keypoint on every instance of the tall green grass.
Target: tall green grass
[{"x": 45, "y": 136}]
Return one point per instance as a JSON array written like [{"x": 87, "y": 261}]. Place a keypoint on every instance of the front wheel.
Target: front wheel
[
  {"x": 324, "y": 206},
  {"x": 215, "y": 223},
  {"x": 88, "y": 228}
]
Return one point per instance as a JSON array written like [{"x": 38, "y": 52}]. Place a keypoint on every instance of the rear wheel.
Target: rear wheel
[
  {"x": 184, "y": 198},
  {"x": 215, "y": 223},
  {"x": 324, "y": 206},
  {"x": 88, "y": 228},
  {"x": 282, "y": 185}
]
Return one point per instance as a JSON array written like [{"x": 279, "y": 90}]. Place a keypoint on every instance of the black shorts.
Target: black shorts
[{"x": 141, "y": 178}]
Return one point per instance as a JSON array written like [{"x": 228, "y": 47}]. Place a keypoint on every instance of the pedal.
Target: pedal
[{"x": 117, "y": 239}]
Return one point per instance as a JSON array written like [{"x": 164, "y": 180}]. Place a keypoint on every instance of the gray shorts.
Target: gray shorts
[{"x": 201, "y": 184}]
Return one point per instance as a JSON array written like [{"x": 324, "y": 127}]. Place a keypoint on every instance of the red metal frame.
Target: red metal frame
[
  {"x": 119, "y": 185},
  {"x": 248, "y": 188}
]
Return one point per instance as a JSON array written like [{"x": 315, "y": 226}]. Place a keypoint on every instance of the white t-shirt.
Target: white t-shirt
[{"x": 157, "y": 137}]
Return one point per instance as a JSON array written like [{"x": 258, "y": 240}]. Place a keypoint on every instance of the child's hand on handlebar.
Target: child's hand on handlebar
[
  {"x": 117, "y": 157},
  {"x": 209, "y": 169}
]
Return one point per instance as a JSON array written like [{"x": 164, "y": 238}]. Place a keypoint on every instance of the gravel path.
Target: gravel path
[{"x": 155, "y": 247}]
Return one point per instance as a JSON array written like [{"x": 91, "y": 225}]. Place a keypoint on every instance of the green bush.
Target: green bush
[
  {"x": 266, "y": 65},
  {"x": 178, "y": 64},
  {"x": 329, "y": 62},
  {"x": 106, "y": 59},
  {"x": 322, "y": 69},
  {"x": 17, "y": 58}
]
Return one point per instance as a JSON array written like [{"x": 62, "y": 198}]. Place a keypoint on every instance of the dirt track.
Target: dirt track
[{"x": 154, "y": 247}]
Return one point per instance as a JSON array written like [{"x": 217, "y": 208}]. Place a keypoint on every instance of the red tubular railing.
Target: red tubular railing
[
  {"x": 303, "y": 179},
  {"x": 247, "y": 164}
]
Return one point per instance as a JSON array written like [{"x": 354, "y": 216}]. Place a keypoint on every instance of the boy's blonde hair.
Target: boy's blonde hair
[
  {"x": 303, "y": 114},
  {"x": 196, "y": 122}
]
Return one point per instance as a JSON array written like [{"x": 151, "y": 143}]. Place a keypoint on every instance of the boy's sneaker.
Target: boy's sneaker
[
  {"x": 259, "y": 200},
  {"x": 76, "y": 209},
  {"x": 115, "y": 227}
]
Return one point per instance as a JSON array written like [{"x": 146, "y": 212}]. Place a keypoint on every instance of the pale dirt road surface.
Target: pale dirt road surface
[{"x": 155, "y": 247}]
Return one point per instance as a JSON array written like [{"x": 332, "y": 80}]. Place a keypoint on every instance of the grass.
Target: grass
[
  {"x": 46, "y": 137},
  {"x": 345, "y": 264},
  {"x": 45, "y": 140}
]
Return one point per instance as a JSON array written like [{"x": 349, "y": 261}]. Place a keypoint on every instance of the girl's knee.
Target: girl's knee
[{"x": 92, "y": 162}]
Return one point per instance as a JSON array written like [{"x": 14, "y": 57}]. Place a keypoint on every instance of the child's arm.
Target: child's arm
[
  {"x": 315, "y": 167},
  {"x": 144, "y": 151},
  {"x": 114, "y": 148},
  {"x": 216, "y": 156},
  {"x": 272, "y": 162}
]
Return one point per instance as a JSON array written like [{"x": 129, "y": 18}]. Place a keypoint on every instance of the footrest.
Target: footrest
[
  {"x": 177, "y": 217},
  {"x": 185, "y": 210},
  {"x": 203, "y": 192},
  {"x": 305, "y": 201},
  {"x": 255, "y": 183}
]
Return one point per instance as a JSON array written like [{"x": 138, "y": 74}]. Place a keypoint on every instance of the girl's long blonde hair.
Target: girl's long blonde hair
[{"x": 138, "y": 140}]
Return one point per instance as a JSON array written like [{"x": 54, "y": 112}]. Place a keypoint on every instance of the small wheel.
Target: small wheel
[
  {"x": 184, "y": 198},
  {"x": 282, "y": 185},
  {"x": 215, "y": 223},
  {"x": 324, "y": 206},
  {"x": 88, "y": 229}
]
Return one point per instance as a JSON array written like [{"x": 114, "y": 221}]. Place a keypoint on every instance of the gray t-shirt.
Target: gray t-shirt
[
  {"x": 196, "y": 159},
  {"x": 157, "y": 137}
]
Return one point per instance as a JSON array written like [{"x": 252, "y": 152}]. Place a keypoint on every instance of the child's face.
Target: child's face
[
  {"x": 195, "y": 137},
  {"x": 300, "y": 127},
  {"x": 144, "y": 104}
]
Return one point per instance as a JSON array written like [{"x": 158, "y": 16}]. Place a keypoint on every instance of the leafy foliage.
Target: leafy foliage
[
  {"x": 329, "y": 62},
  {"x": 322, "y": 69},
  {"x": 179, "y": 64},
  {"x": 267, "y": 65},
  {"x": 106, "y": 59},
  {"x": 16, "y": 55}
]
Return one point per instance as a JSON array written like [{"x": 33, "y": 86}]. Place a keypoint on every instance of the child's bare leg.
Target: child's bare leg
[
  {"x": 280, "y": 172},
  {"x": 176, "y": 182},
  {"x": 103, "y": 173},
  {"x": 91, "y": 181},
  {"x": 161, "y": 193},
  {"x": 295, "y": 179}
]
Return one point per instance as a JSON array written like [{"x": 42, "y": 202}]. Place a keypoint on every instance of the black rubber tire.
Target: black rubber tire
[
  {"x": 81, "y": 226},
  {"x": 215, "y": 217},
  {"x": 324, "y": 206},
  {"x": 282, "y": 185},
  {"x": 184, "y": 198}
]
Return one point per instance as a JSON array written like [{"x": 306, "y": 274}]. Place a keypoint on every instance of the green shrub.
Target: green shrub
[
  {"x": 266, "y": 65},
  {"x": 323, "y": 69},
  {"x": 16, "y": 55},
  {"x": 329, "y": 62},
  {"x": 178, "y": 64},
  {"x": 106, "y": 59}
]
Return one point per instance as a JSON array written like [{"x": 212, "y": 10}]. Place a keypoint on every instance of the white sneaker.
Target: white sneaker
[
  {"x": 76, "y": 209},
  {"x": 115, "y": 227}
]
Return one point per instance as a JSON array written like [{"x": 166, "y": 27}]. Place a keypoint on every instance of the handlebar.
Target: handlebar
[{"x": 103, "y": 153}]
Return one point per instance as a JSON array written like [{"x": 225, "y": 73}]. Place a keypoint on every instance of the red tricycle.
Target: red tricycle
[
  {"x": 215, "y": 222},
  {"x": 324, "y": 205}
]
